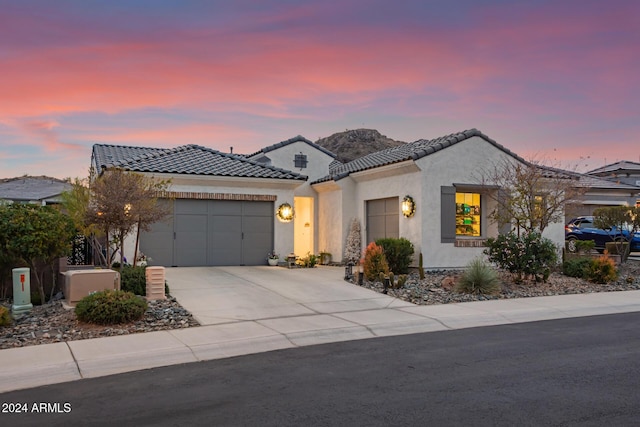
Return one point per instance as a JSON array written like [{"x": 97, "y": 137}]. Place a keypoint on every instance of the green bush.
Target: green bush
[
  {"x": 111, "y": 307},
  {"x": 576, "y": 267},
  {"x": 602, "y": 270},
  {"x": 478, "y": 278},
  {"x": 5, "y": 318},
  {"x": 134, "y": 280},
  {"x": 398, "y": 252},
  {"x": 374, "y": 262},
  {"x": 529, "y": 254}
]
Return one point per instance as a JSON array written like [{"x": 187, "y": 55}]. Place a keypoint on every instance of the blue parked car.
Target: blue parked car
[{"x": 582, "y": 228}]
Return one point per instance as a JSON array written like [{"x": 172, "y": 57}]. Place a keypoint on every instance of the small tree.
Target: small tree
[
  {"x": 621, "y": 222},
  {"x": 75, "y": 203},
  {"x": 353, "y": 249},
  {"x": 531, "y": 196},
  {"x": 36, "y": 235},
  {"x": 122, "y": 200}
]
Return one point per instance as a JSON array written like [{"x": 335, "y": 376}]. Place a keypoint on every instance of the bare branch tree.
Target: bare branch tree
[
  {"x": 122, "y": 200},
  {"x": 530, "y": 195}
]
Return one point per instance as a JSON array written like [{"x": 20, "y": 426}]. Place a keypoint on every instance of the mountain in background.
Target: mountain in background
[{"x": 351, "y": 144}]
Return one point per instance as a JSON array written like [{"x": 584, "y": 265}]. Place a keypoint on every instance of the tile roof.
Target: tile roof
[
  {"x": 104, "y": 154},
  {"x": 623, "y": 165},
  {"x": 584, "y": 180},
  {"x": 410, "y": 151},
  {"x": 298, "y": 138},
  {"x": 32, "y": 188},
  {"x": 187, "y": 159}
]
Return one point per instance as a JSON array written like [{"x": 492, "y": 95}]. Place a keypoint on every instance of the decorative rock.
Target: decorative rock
[{"x": 52, "y": 323}]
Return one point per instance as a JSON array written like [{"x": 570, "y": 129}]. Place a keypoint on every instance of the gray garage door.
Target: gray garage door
[
  {"x": 212, "y": 232},
  {"x": 383, "y": 218}
]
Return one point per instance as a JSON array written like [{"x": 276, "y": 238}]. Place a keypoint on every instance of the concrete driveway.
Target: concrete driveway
[{"x": 216, "y": 295}]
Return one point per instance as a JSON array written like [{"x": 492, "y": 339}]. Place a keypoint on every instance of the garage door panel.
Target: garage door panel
[
  {"x": 225, "y": 207},
  {"x": 264, "y": 209},
  {"x": 257, "y": 224},
  {"x": 190, "y": 207},
  {"x": 190, "y": 249},
  {"x": 191, "y": 223},
  {"x": 375, "y": 228},
  {"x": 157, "y": 243},
  {"x": 392, "y": 227},
  {"x": 223, "y": 224},
  {"x": 227, "y": 254}
]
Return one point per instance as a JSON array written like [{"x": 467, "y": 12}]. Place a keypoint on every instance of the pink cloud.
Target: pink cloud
[{"x": 43, "y": 131}]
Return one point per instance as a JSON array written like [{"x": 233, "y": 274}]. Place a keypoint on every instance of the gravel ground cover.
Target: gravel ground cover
[
  {"x": 52, "y": 323},
  {"x": 437, "y": 287}
]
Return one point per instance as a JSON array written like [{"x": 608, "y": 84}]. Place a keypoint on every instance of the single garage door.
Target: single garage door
[
  {"x": 210, "y": 233},
  {"x": 383, "y": 219}
]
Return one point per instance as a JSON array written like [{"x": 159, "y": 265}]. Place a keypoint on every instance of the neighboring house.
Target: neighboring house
[
  {"x": 624, "y": 173},
  {"x": 225, "y": 205},
  {"x": 40, "y": 190}
]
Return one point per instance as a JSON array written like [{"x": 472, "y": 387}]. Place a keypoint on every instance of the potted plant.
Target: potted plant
[
  {"x": 325, "y": 258},
  {"x": 273, "y": 258}
]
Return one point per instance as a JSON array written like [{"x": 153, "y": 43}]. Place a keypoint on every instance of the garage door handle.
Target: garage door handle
[{"x": 242, "y": 235}]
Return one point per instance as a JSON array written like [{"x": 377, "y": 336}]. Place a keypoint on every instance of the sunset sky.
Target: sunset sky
[{"x": 548, "y": 79}]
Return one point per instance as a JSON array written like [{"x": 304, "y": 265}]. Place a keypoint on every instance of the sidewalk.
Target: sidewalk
[{"x": 238, "y": 326}]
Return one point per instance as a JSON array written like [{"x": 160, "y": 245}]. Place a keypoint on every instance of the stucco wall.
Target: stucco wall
[
  {"x": 317, "y": 161},
  {"x": 330, "y": 223},
  {"x": 462, "y": 163},
  {"x": 399, "y": 185}
]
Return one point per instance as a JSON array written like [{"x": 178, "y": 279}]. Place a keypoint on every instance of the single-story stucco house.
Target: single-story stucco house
[
  {"x": 41, "y": 190},
  {"x": 623, "y": 175},
  {"x": 225, "y": 205}
]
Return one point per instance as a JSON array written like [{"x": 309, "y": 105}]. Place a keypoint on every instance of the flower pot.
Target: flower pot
[{"x": 272, "y": 261}]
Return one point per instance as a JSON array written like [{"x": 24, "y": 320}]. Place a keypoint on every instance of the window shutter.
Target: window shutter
[{"x": 448, "y": 214}]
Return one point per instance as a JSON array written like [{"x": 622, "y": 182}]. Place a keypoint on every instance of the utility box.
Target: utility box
[
  {"x": 80, "y": 283},
  {"x": 155, "y": 283},
  {"x": 21, "y": 292}
]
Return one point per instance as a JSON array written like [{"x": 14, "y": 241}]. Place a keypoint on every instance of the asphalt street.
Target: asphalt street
[{"x": 580, "y": 371}]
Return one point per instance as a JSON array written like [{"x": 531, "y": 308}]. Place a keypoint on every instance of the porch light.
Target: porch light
[
  {"x": 285, "y": 212},
  {"x": 408, "y": 206}
]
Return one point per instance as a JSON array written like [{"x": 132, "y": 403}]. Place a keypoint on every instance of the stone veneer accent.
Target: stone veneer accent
[
  {"x": 469, "y": 243},
  {"x": 216, "y": 196}
]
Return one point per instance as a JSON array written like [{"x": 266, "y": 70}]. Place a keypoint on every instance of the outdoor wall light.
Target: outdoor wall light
[
  {"x": 408, "y": 206},
  {"x": 285, "y": 212}
]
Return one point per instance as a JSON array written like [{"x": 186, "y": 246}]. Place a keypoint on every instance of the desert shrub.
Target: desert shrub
[
  {"x": 576, "y": 267},
  {"x": 134, "y": 280},
  {"x": 478, "y": 278},
  {"x": 602, "y": 270},
  {"x": 397, "y": 282},
  {"x": 374, "y": 262},
  {"x": 398, "y": 252},
  {"x": 5, "y": 318},
  {"x": 527, "y": 255},
  {"x": 309, "y": 261},
  {"x": 585, "y": 246},
  {"x": 36, "y": 299},
  {"x": 111, "y": 307}
]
